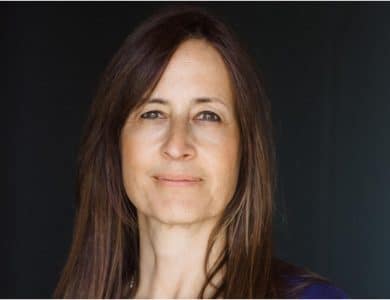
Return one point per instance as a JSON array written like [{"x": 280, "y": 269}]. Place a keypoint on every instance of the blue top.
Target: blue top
[{"x": 323, "y": 291}]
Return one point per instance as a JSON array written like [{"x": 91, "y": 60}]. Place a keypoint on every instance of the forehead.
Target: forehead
[{"x": 195, "y": 70}]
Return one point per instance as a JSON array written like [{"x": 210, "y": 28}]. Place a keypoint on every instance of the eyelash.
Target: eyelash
[{"x": 209, "y": 112}]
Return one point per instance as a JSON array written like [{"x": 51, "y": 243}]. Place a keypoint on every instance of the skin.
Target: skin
[{"x": 181, "y": 138}]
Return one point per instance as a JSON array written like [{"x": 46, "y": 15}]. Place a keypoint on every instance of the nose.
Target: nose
[{"x": 178, "y": 144}]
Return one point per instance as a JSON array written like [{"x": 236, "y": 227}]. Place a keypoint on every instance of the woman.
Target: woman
[{"x": 176, "y": 174}]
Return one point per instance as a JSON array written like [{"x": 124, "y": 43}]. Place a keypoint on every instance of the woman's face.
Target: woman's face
[{"x": 180, "y": 150}]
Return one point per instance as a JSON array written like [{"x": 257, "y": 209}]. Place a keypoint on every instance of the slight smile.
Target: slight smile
[{"x": 177, "y": 182}]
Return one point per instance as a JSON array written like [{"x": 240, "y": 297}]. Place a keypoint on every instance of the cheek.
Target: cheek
[
  {"x": 220, "y": 157},
  {"x": 137, "y": 157},
  {"x": 136, "y": 146}
]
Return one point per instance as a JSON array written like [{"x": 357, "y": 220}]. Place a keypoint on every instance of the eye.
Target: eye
[
  {"x": 150, "y": 114},
  {"x": 210, "y": 116}
]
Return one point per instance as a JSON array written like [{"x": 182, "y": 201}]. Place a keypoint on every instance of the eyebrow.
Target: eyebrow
[{"x": 196, "y": 100}]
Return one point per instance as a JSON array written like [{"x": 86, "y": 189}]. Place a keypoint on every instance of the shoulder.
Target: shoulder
[
  {"x": 301, "y": 283},
  {"x": 322, "y": 291}
]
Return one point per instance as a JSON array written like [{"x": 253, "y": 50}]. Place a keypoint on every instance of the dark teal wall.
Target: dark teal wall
[{"x": 328, "y": 71}]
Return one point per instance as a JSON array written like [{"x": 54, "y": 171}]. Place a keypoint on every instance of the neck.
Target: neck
[{"x": 172, "y": 258}]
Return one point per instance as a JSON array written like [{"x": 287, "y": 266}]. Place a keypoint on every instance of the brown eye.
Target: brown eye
[
  {"x": 210, "y": 116},
  {"x": 151, "y": 114}
]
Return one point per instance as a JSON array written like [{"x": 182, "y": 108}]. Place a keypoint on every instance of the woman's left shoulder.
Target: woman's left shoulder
[
  {"x": 311, "y": 288},
  {"x": 301, "y": 283},
  {"x": 323, "y": 291}
]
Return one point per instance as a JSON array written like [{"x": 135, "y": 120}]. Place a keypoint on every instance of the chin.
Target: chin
[
  {"x": 179, "y": 215},
  {"x": 178, "y": 220},
  {"x": 177, "y": 212}
]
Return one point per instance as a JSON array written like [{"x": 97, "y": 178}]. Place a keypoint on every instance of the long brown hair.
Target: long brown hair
[{"x": 104, "y": 254}]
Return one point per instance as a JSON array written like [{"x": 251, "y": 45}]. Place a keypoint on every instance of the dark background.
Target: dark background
[{"x": 326, "y": 68}]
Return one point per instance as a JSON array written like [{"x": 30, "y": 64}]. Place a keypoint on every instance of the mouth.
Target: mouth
[{"x": 177, "y": 180}]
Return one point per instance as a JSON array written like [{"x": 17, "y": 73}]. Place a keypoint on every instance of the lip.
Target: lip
[{"x": 177, "y": 180}]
